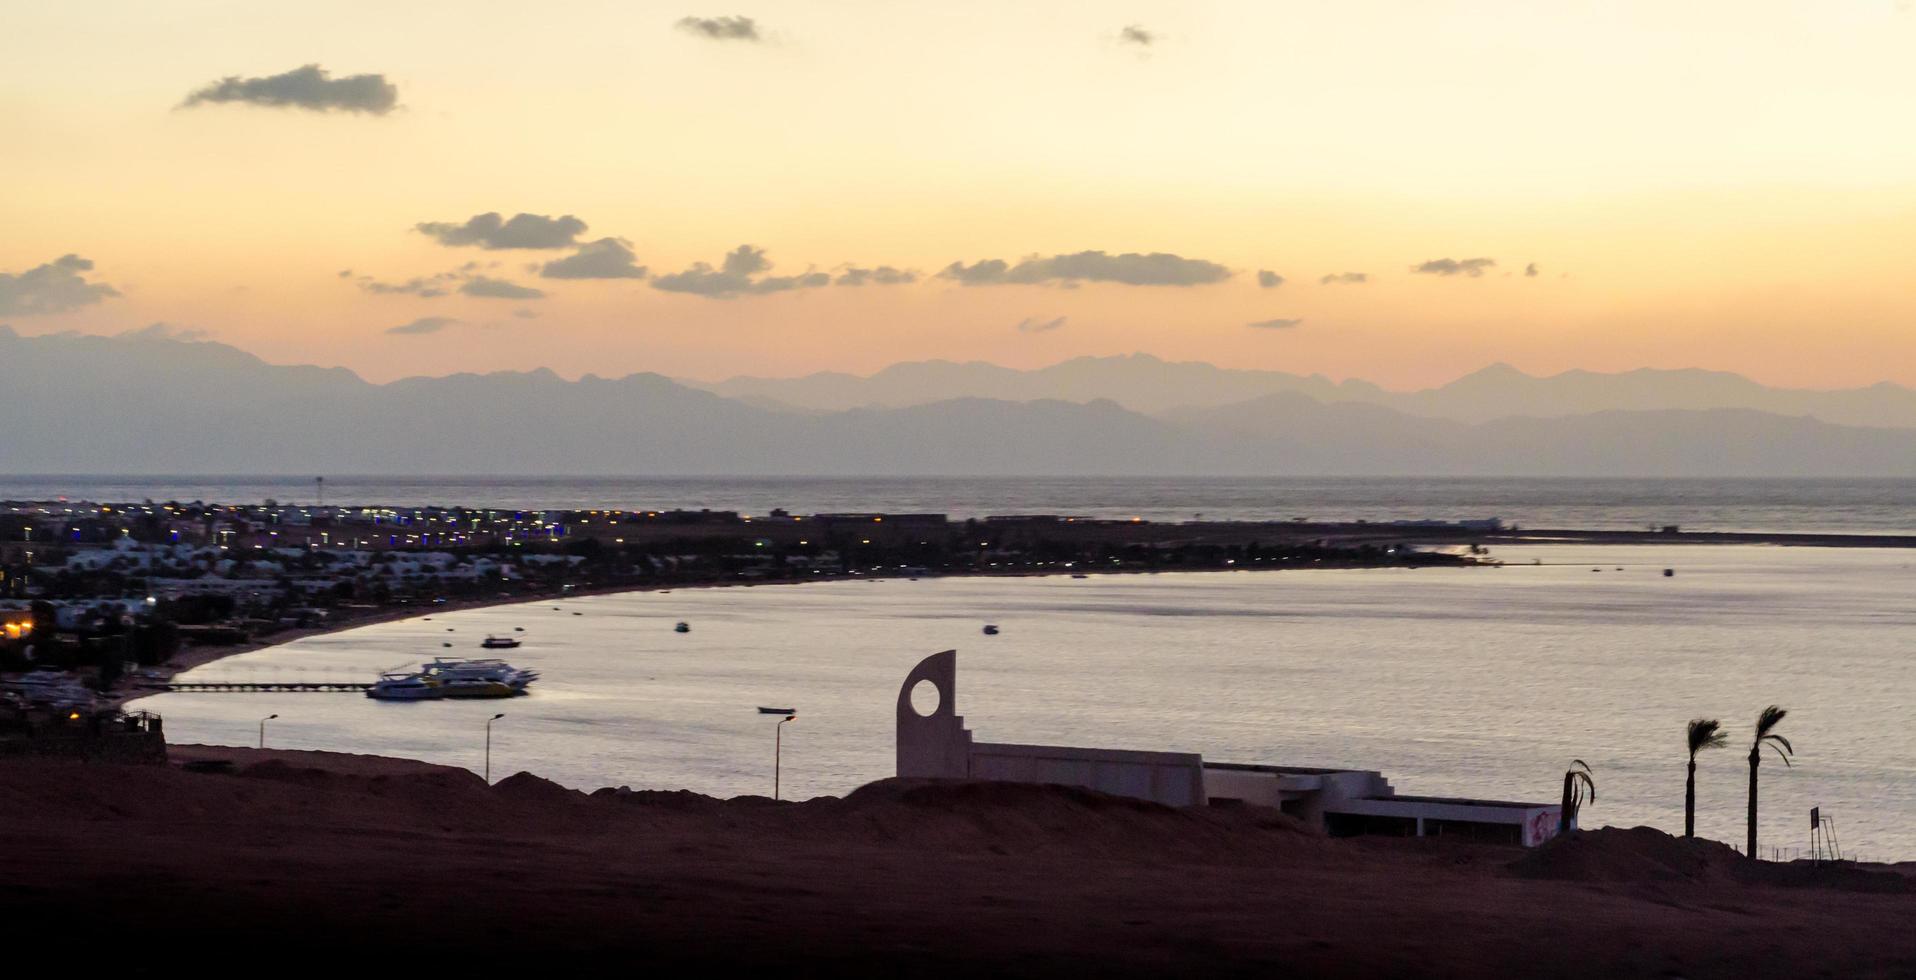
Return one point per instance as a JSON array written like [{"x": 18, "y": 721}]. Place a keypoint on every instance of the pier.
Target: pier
[{"x": 246, "y": 687}]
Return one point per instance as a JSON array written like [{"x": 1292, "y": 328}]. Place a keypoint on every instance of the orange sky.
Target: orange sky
[{"x": 1715, "y": 184}]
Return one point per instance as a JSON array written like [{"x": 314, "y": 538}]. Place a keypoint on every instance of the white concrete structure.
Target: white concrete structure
[{"x": 937, "y": 745}]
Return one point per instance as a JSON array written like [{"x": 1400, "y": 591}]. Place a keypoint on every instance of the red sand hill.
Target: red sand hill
[{"x": 311, "y": 862}]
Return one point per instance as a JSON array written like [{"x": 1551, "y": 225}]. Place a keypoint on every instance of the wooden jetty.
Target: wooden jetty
[{"x": 240, "y": 687}]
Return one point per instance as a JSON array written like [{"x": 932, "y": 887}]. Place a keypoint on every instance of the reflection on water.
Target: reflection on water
[{"x": 1466, "y": 681}]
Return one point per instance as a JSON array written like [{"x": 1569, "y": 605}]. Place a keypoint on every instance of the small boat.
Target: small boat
[
  {"x": 1669, "y": 572},
  {"x": 682, "y": 628},
  {"x": 763, "y": 710},
  {"x": 991, "y": 629},
  {"x": 1080, "y": 575},
  {"x": 499, "y": 642},
  {"x": 518, "y": 629}
]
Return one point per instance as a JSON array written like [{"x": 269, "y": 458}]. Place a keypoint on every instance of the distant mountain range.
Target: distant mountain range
[
  {"x": 1147, "y": 384},
  {"x": 143, "y": 404}
]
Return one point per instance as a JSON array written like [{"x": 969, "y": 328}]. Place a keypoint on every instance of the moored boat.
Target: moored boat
[{"x": 451, "y": 677}]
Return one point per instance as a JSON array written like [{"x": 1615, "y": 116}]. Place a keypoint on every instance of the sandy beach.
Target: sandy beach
[{"x": 301, "y": 861}]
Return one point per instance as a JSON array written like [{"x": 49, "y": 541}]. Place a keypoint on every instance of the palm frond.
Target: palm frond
[
  {"x": 1784, "y": 750},
  {"x": 1706, "y": 733},
  {"x": 1771, "y": 717},
  {"x": 1581, "y": 783}
]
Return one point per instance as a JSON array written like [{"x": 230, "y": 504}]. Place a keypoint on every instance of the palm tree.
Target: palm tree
[
  {"x": 1576, "y": 782},
  {"x": 1705, "y": 733},
  {"x": 1765, "y": 732}
]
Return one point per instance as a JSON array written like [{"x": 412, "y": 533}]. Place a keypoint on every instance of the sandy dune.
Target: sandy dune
[{"x": 296, "y": 862}]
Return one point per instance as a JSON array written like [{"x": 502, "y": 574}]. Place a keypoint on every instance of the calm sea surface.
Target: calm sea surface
[
  {"x": 1858, "y": 506},
  {"x": 1482, "y": 682}
]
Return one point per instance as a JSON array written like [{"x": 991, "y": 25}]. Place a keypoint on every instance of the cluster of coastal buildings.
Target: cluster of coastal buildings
[{"x": 933, "y": 743}]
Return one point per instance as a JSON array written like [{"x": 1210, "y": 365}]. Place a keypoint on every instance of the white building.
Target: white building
[{"x": 937, "y": 745}]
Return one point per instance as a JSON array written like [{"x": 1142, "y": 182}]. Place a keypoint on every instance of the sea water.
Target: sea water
[{"x": 1482, "y": 682}]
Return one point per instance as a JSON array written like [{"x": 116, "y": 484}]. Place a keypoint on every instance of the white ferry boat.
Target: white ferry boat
[{"x": 451, "y": 677}]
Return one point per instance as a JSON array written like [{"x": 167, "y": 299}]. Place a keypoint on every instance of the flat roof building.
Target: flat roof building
[{"x": 1341, "y": 802}]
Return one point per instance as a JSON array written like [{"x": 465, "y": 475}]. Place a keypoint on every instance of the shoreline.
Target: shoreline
[{"x": 201, "y": 655}]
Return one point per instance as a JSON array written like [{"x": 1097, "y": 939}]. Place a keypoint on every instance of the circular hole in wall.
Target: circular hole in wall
[{"x": 925, "y": 698}]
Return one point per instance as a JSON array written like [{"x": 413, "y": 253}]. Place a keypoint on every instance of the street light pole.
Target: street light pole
[
  {"x": 262, "y": 729},
  {"x": 778, "y": 752},
  {"x": 489, "y": 722}
]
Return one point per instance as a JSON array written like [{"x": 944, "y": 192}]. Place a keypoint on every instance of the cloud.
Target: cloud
[
  {"x": 738, "y": 275},
  {"x": 307, "y": 87},
  {"x": 1032, "y": 324},
  {"x": 526, "y": 314},
  {"x": 54, "y": 287},
  {"x": 722, "y": 28},
  {"x": 1454, "y": 267},
  {"x": 167, "y": 331},
  {"x": 416, "y": 286},
  {"x": 1133, "y": 34},
  {"x": 487, "y": 287},
  {"x": 491, "y": 231},
  {"x": 1351, "y": 278},
  {"x": 423, "y": 325},
  {"x": 1268, "y": 279},
  {"x": 883, "y": 275},
  {"x": 607, "y": 258},
  {"x": 1130, "y": 268},
  {"x": 1278, "y": 324},
  {"x": 1531, "y": 270}
]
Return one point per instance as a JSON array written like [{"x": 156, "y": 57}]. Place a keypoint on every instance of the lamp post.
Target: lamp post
[
  {"x": 489, "y": 722},
  {"x": 778, "y": 751},
  {"x": 262, "y": 729}
]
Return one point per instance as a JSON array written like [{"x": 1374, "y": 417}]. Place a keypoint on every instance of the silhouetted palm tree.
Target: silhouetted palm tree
[
  {"x": 1766, "y": 723},
  {"x": 1576, "y": 783},
  {"x": 1705, "y": 733}
]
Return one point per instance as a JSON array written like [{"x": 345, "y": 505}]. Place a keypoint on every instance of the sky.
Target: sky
[{"x": 1402, "y": 192}]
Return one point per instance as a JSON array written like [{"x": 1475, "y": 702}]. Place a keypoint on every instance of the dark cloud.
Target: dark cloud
[
  {"x": 738, "y": 275},
  {"x": 1032, "y": 324},
  {"x": 607, "y": 258},
  {"x": 1134, "y": 34},
  {"x": 722, "y": 28},
  {"x": 1130, "y": 268},
  {"x": 1531, "y": 270},
  {"x": 780, "y": 284},
  {"x": 55, "y": 287},
  {"x": 746, "y": 260},
  {"x": 1350, "y": 278},
  {"x": 883, "y": 275},
  {"x": 416, "y": 286},
  {"x": 168, "y": 331},
  {"x": 1268, "y": 279},
  {"x": 1278, "y": 324},
  {"x": 306, "y": 87},
  {"x": 522, "y": 230},
  {"x": 423, "y": 325},
  {"x": 487, "y": 287},
  {"x": 1454, "y": 267}
]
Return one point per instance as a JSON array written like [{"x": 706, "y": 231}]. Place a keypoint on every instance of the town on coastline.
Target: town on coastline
[{"x": 100, "y": 601}]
